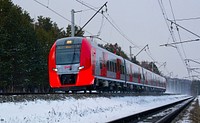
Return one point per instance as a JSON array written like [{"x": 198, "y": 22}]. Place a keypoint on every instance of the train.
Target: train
[{"x": 78, "y": 63}]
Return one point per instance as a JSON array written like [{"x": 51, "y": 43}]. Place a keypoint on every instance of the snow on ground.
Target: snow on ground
[{"x": 84, "y": 110}]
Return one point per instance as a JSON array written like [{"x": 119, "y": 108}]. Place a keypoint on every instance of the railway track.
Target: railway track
[
  {"x": 19, "y": 97},
  {"x": 163, "y": 114}
]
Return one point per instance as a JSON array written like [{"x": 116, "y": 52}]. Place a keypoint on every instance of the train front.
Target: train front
[{"x": 70, "y": 64}]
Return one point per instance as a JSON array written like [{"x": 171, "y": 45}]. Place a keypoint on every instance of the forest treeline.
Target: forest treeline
[{"x": 24, "y": 48}]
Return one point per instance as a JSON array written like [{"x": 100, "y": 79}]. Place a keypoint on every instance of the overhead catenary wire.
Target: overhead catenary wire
[
  {"x": 186, "y": 19},
  {"x": 177, "y": 28},
  {"x": 179, "y": 36},
  {"x": 170, "y": 28},
  {"x": 68, "y": 19},
  {"x": 52, "y": 10},
  {"x": 113, "y": 25},
  {"x": 58, "y": 14},
  {"x": 101, "y": 26},
  {"x": 108, "y": 18}
]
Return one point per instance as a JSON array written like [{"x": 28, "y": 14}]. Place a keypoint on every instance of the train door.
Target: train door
[
  {"x": 139, "y": 75},
  {"x": 143, "y": 76},
  {"x": 103, "y": 66},
  {"x": 93, "y": 60},
  {"x": 131, "y": 73}
]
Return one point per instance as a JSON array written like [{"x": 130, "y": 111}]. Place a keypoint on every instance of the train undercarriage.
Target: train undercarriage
[{"x": 101, "y": 86}]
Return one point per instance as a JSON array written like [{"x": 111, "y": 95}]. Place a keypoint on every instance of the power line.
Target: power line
[
  {"x": 92, "y": 17},
  {"x": 178, "y": 34},
  {"x": 113, "y": 25},
  {"x": 170, "y": 28},
  {"x": 119, "y": 30},
  {"x": 101, "y": 26},
  {"x": 195, "y": 40},
  {"x": 52, "y": 10},
  {"x": 195, "y": 18},
  {"x": 184, "y": 28},
  {"x": 68, "y": 19},
  {"x": 58, "y": 14},
  {"x": 81, "y": 2}
]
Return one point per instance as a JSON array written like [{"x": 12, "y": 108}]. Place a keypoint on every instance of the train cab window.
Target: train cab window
[{"x": 68, "y": 54}]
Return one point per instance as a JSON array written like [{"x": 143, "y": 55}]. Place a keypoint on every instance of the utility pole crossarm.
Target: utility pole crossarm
[
  {"x": 183, "y": 28},
  {"x": 91, "y": 18},
  {"x": 141, "y": 50},
  {"x": 171, "y": 44},
  {"x": 192, "y": 61}
]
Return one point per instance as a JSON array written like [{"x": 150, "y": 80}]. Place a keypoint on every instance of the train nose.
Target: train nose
[{"x": 68, "y": 79}]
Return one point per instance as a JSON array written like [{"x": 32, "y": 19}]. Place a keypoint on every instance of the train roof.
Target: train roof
[{"x": 63, "y": 41}]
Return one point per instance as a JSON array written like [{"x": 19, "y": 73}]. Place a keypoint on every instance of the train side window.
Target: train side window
[
  {"x": 112, "y": 66},
  {"x": 115, "y": 67},
  {"x": 120, "y": 68},
  {"x": 108, "y": 66},
  {"x": 123, "y": 71},
  {"x": 100, "y": 65},
  {"x": 111, "y": 63}
]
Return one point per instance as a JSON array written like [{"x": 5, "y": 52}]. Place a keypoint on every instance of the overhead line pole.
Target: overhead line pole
[{"x": 72, "y": 23}]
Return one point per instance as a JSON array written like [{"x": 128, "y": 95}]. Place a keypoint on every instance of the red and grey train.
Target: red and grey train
[{"x": 76, "y": 63}]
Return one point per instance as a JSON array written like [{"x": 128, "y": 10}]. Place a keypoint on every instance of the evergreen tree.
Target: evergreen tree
[
  {"x": 114, "y": 49},
  {"x": 76, "y": 33},
  {"x": 17, "y": 46},
  {"x": 24, "y": 48}
]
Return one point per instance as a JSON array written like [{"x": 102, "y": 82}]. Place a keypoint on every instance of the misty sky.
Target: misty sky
[{"x": 141, "y": 21}]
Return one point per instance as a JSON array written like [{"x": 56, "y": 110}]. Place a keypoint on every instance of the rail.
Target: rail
[{"x": 163, "y": 114}]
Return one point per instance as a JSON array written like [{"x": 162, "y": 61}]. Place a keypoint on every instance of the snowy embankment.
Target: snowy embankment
[{"x": 99, "y": 109}]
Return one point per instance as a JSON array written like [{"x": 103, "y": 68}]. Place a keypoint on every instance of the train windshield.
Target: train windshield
[{"x": 68, "y": 54}]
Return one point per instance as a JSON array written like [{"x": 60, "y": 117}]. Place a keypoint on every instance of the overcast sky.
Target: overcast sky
[{"x": 141, "y": 21}]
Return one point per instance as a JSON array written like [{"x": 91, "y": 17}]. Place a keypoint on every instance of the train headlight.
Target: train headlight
[
  {"x": 55, "y": 69},
  {"x": 81, "y": 67}
]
